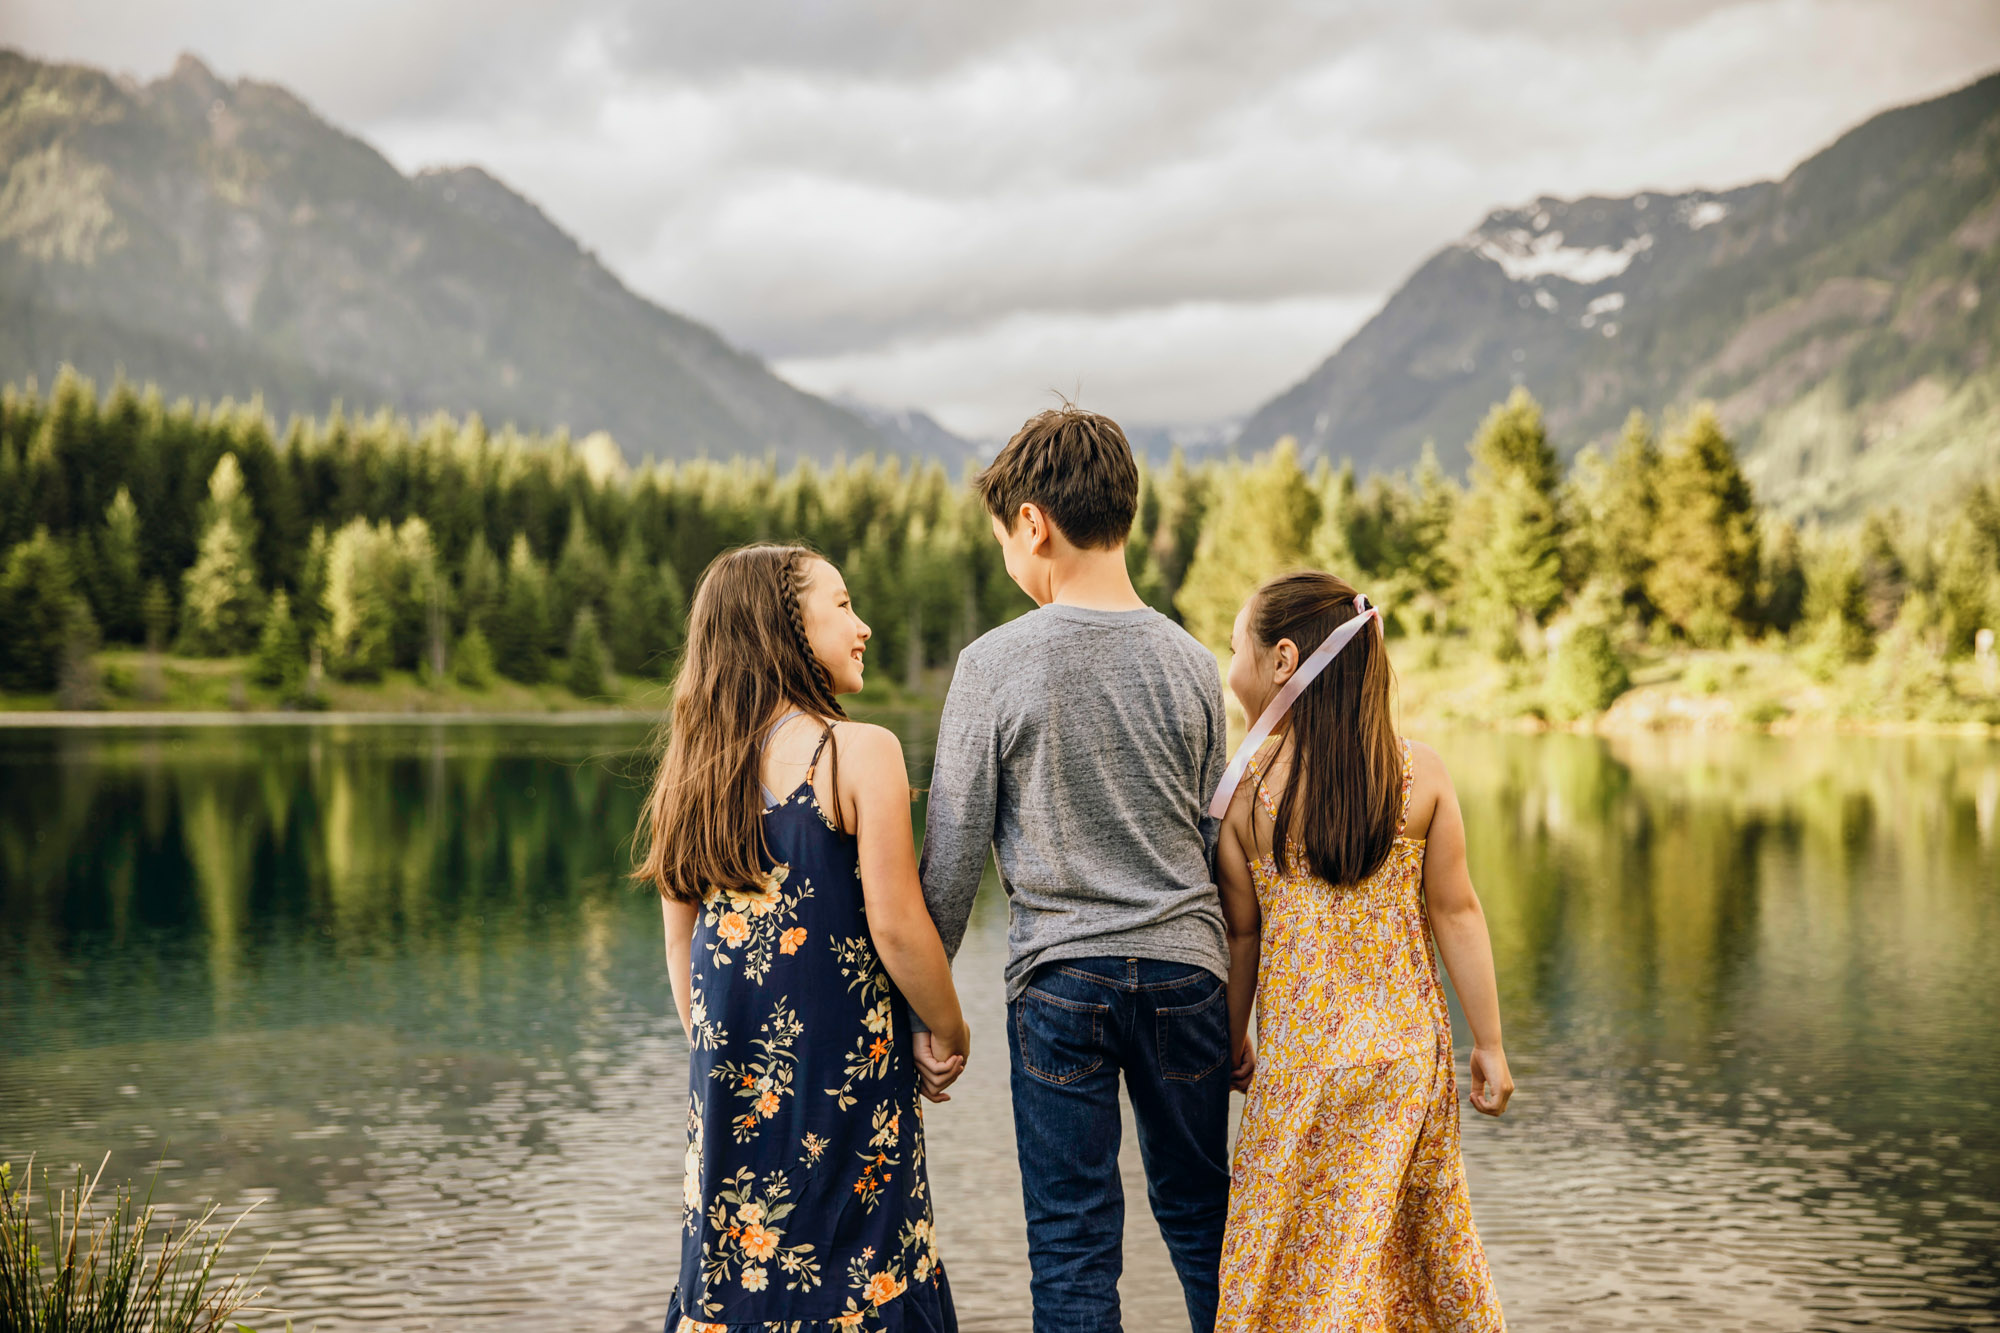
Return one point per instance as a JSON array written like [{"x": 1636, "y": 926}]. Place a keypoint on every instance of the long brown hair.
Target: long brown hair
[
  {"x": 747, "y": 661},
  {"x": 1344, "y": 800}
]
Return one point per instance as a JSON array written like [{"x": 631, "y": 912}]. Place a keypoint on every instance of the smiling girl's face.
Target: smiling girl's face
[{"x": 838, "y": 636}]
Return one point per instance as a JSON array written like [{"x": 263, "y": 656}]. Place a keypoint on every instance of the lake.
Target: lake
[{"x": 388, "y": 981}]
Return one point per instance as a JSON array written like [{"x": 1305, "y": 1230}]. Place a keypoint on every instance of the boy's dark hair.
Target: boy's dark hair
[{"x": 1076, "y": 467}]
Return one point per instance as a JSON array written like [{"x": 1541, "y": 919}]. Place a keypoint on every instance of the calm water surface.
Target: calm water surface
[{"x": 388, "y": 981}]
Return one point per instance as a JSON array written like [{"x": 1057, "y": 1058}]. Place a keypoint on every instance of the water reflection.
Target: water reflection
[{"x": 390, "y": 980}]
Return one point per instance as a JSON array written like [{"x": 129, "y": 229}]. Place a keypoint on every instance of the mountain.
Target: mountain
[
  {"x": 223, "y": 240},
  {"x": 1845, "y": 320},
  {"x": 914, "y": 433}
]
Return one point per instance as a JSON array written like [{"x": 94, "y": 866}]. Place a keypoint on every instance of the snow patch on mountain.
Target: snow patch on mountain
[
  {"x": 1704, "y": 213},
  {"x": 1523, "y": 256}
]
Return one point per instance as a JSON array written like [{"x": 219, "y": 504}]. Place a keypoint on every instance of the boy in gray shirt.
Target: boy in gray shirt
[{"x": 1081, "y": 742}]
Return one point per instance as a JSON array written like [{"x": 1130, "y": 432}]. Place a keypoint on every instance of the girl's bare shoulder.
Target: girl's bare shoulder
[
  {"x": 1428, "y": 784},
  {"x": 867, "y": 744}
]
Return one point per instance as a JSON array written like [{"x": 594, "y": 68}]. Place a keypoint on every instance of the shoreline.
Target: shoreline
[
  {"x": 84, "y": 719},
  {"x": 134, "y": 719}
]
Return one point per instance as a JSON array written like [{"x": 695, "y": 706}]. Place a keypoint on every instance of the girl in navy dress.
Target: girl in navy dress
[{"x": 778, "y": 834}]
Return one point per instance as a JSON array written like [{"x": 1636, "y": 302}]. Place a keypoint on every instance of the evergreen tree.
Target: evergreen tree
[
  {"x": 360, "y": 609},
  {"x": 1705, "y": 546},
  {"x": 221, "y": 605},
  {"x": 1781, "y": 593},
  {"x": 1332, "y": 546},
  {"x": 281, "y": 648},
  {"x": 646, "y": 614},
  {"x": 582, "y": 573},
  {"x": 77, "y": 684},
  {"x": 520, "y": 630},
  {"x": 1511, "y": 527},
  {"x": 156, "y": 609},
  {"x": 1968, "y": 583},
  {"x": 472, "y": 662},
  {"x": 416, "y": 594},
  {"x": 1624, "y": 505},
  {"x": 1184, "y": 499},
  {"x": 480, "y": 587},
  {"x": 1836, "y": 610},
  {"x": 1262, "y": 524},
  {"x": 37, "y": 594},
  {"x": 589, "y": 666},
  {"x": 309, "y": 611},
  {"x": 1885, "y": 578},
  {"x": 120, "y": 586}
]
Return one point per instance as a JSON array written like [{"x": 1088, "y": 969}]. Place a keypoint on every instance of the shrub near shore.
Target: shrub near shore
[{"x": 379, "y": 564}]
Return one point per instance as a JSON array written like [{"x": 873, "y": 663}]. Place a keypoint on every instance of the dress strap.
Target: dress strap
[
  {"x": 813, "y": 765},
  {"x": 772, "y": 730},
  {"x": 1409, "y": 784}
]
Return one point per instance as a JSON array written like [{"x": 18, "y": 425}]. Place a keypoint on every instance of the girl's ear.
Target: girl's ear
[{"x": 1284, "y": 661}]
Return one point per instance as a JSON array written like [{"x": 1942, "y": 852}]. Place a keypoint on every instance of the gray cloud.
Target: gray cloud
[{"x": 958, "y": 206}]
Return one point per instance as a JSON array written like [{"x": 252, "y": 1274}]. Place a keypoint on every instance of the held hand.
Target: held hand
[
  {"x": 1492, "y": 1085},
  {"x": 940, "y": 1060},
  {"x": 1244, "y": 1067}
]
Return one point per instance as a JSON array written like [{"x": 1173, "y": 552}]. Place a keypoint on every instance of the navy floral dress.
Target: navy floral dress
[{"x": 806, "y": 1207}]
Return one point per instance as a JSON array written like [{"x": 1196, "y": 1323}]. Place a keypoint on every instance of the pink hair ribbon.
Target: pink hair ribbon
[{"x": 1288, "y": 693}]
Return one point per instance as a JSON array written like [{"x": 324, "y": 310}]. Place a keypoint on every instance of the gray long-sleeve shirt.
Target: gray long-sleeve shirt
[{"x": 1082, "y": 746}]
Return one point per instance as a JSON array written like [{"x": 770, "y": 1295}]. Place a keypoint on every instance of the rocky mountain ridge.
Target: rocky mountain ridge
[
  {"x": 1841, "y": 319},
  {"x": 221, "y": 239}
]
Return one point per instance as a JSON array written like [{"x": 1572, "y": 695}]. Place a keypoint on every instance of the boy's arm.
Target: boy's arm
[
  {"x": 965, "y": 794},
  {"x": 1214, "y": 763}
]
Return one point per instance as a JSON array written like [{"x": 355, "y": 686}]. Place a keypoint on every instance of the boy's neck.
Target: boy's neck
[{"x": 1094, "y": 580}]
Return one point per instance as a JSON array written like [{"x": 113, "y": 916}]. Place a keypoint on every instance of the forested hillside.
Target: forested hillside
[
  {"x": 221, "y": 240},
  {"x": 1845, "y": 321},
  {"x": 350, "y": 550}
]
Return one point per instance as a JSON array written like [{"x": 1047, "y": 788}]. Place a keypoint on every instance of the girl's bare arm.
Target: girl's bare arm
[
  {"x": 680, "y": 919},
  {"x": 1459, "y": 923},
  {"x": 875, "y": 795},
  {"x": 1240, "y": 914}
]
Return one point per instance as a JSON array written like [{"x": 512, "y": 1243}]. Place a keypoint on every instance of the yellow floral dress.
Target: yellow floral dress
[{"x": 1348, "y": 1207}]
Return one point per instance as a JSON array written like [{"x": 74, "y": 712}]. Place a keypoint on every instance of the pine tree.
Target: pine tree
[
  {"x": 1885, "y": 578},
  {"x": 1624, "y": 504},
  {"x": 521, "y": 629},
  {"x": 646, "y": 613},
  {"x": 416, "y": 595},
  {"x": 360, "y": 612},
  {"x": 472, "y": 661},
  {"x": 1262, "y": 524},
  {"x": 588, "y": 668},
  {"x": 1705, "y": 544},
  {"x": 1781, "y": 592},
  {"x": 1511, "y": 528},
  {"x": 120, "y": 586},
  {"x": 1836, "y": 611},
  {"x": 309, "y": 610},
  {"x": 221, "y": 604},
  {"x": 37, "y": 593},
  {"x": 582, "y": 574},
  {"x": 480, "y": 587},
  {"x": 281, "y": 648},
  {"x": 77, "y": 680}
]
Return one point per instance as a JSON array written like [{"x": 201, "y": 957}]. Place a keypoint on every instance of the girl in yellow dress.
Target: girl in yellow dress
[{"x": 1341, "y": 862}]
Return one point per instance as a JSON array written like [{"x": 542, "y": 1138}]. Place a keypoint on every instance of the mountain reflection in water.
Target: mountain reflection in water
[{"x": 391, "y": 980}]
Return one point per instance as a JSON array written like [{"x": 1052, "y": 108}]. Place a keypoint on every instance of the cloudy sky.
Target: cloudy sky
[{"x": 1176, "y": 209}]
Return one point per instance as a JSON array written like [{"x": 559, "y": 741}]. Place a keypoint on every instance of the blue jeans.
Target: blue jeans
[{"x": 1166, "y": 1025}]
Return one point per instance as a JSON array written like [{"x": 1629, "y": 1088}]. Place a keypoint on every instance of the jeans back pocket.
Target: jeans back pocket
[
  {"x": 1194, "y": 1038},
  {"x": 1061, "y": 1039}
]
